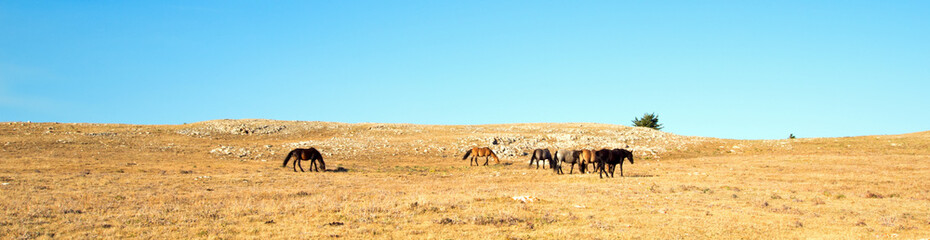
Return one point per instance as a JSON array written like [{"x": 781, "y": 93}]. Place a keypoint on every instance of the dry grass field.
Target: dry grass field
[{"x": 223, "y": 179}]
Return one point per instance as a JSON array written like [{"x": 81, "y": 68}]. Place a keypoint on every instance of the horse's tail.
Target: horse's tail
[
  {"x": 286, "y": 159},
  {"x": 466, "y": 154}
]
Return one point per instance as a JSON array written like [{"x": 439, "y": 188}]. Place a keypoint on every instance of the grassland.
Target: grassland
[{"x": 224, "y": 179}]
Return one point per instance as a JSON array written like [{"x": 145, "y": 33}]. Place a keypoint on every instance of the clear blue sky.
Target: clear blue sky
[{"x": 730, "y": 69}]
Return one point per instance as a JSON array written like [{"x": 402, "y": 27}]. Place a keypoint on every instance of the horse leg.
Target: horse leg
[
  {"x": 486, "y": 159},
  {"x": 313, "y": 166},
  {"x": 571, "y": 168},
  {"x": 300, "y": 165},
  {"x": 621, "y": 169},
  {"x": 295, "y": 164}
]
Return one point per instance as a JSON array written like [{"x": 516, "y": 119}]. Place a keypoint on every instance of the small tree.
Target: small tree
[{"x": 649, "y": 120}]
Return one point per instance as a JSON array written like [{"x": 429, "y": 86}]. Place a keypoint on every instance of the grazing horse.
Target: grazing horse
[
  {"x": 567, "y": 156},
  {"x": 586, "y": 158},
  {"x": 611, "y": 158},
  {"x": 304, "y": 154},
  {"x": 481, "y": 152},
  {"x": 539, "y": 155}
]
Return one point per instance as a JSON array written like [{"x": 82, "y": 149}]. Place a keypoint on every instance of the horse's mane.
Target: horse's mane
[
  {"x": 319, "y": 156},
  {"x": 624, "y": 154},
  {"x": 496, "y": 159}
]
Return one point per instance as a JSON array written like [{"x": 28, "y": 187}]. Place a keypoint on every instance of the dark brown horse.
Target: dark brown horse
[
  {"x": 481, "y": 152},
  {"x": 608, "y": 159},
  {"x": 304, "y": 154},
  {"x": 539, "y": 155}
]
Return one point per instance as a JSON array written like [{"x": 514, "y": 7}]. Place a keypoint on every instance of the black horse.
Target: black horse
[
  {"x": 539, "y": 155},
  {"x": 304, "y": 154},
  {"x": 610, "y": 158}
]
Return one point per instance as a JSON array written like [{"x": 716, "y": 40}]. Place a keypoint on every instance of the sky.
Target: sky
[{"x": 726, "y": 69}]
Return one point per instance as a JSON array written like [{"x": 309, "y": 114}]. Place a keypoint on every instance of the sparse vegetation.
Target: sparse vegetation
[{"x": 63, "y": 181}]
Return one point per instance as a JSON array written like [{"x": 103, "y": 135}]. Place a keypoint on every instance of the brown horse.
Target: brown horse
[
  {"x": 481, "y": 152},
  {"x": 586, "y": 158},
  {"x": 304, "y": 154}
]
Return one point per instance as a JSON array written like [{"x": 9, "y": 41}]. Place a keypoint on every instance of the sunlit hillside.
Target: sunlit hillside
[{"x": 224, "y": 179}]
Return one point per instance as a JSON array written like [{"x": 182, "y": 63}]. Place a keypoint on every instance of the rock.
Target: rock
[{"x": 525, "y": 199}]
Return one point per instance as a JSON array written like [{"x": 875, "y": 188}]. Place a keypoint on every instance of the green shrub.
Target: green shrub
[{"x": 649, "y": 120}]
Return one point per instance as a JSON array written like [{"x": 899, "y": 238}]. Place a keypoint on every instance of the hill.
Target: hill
[{"x": 223, "y": 178}]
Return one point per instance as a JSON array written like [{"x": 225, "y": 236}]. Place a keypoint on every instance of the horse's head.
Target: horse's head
[
  {"x": 631, "y": 156},
  {"x": 553, "y": 164},
  {"x": 322, "y": 164}
]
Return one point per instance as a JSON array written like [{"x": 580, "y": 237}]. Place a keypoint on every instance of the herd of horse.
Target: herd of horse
[{"x": 603, "y": 161}]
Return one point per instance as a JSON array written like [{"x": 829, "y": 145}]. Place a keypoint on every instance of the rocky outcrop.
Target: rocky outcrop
[{"x": 508, "y": 140}]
